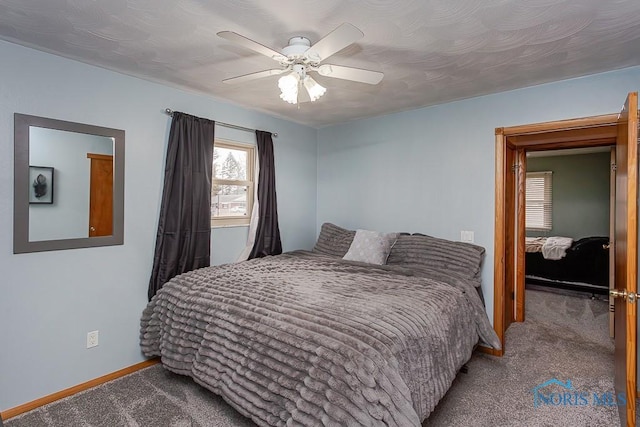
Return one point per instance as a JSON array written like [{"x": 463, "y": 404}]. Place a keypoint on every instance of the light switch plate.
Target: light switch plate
[{"x": 466, "y": 236}]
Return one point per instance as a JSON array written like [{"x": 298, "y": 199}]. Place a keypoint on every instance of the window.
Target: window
[
  {"x": 538, "y": 201},
  {"x": 232, "y": 183}
]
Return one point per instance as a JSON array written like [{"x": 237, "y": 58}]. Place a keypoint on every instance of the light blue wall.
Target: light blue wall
[
  {"x": 50, "y": 300},
  {"x": 432, "y": 170},
  {"x": 429, "y": 170}
]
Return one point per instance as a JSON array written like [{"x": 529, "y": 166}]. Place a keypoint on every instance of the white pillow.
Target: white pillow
[{"x": 371, "y": 247}]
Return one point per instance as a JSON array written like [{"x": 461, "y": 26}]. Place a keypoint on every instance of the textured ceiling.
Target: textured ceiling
[{"x": 430, "y": 51}]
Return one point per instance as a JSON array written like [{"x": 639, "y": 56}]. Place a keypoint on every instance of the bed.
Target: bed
[
  {"x": 311, "y": 338},
  {"x": 584, "y": 265}
]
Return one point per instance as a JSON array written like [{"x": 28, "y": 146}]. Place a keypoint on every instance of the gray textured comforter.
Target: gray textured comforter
[{"x": 305, "y": 339}]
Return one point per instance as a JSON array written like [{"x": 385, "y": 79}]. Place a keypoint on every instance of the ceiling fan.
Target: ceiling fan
[{"x": 299, "y": 58}]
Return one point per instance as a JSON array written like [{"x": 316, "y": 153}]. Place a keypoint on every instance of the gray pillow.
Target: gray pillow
[
  {"x": 333, "y": 240},
  {"x": 439, "y": 254},
  {"x": 371, "y": 247}
]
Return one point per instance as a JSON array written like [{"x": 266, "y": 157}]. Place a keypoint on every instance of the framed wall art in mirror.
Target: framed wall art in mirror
[
  {"x": 41, "y": 185},
  {"x": 77, "y": 199}
]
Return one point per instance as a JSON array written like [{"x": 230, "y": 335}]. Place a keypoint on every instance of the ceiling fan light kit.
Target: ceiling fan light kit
[
  {"x": 299, "y": 58},
  {"x": 290, "y": 85}
]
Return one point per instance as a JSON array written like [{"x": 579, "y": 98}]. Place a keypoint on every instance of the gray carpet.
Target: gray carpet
[
  {"x": 564, "y": 337},
  {"x": 152, "y": 397}
]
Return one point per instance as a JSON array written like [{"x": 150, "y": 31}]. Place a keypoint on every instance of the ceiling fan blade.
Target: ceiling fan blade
[
  {"x": 350, "y": 73},
  {"x": 254, "y": 46},
  {"x": 253, "y": 76},
  {"x": 333, "y": 42}
]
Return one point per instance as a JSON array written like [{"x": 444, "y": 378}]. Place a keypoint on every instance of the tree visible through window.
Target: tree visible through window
[
  {"x": 538, "y": 201},
  {"x": 232, "y": 184}
]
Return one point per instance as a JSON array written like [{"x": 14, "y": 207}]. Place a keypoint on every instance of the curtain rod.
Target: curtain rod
[{"x": 169, "y": 111}]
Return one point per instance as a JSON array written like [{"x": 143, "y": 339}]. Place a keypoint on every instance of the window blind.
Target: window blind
[{"x": 539, "y": 209}]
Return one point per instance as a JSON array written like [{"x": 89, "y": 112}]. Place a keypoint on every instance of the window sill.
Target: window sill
[{"x": 213, "y": 227}]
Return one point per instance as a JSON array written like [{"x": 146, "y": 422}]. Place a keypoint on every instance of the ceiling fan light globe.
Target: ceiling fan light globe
[
  {"x": 314, "y": 89},
  {"x": 289, "y": 81},
  {"x": 290, "y": 95}
]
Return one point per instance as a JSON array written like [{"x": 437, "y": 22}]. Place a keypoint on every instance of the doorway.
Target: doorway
[
  {"x": 568, "y": 222},
  {"x": 512, "y": 143},
  {"x": 620, "y": 130}
]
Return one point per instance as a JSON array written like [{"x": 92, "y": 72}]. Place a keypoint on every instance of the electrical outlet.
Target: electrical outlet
[
  {"x": 466, "y": 236},
  {"x": 92, "y": 339}
]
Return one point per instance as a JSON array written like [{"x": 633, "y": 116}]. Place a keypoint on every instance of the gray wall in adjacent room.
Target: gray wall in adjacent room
[{"x": 580, "y": 194}]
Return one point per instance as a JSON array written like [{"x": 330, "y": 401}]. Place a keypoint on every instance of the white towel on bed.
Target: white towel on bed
[{"x": 555, "y": 248}]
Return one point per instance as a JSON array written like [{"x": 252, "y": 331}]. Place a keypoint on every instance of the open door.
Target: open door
[
  {"x": 626, "y": 254},
  {"x": 100, "y": 195},
  {"x": 510, "y": 238},
  {"x": 612, "y": 239}
]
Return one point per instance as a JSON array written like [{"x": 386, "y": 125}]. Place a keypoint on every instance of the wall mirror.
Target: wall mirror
[{"x": 68, "y": 185}]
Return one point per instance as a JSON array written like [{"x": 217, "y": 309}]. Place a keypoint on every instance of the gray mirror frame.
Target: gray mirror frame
[{"x": 21, "y": 243}]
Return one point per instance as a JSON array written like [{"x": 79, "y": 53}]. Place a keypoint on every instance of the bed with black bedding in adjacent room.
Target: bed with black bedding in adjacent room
[{"x": 583, "y": 267}]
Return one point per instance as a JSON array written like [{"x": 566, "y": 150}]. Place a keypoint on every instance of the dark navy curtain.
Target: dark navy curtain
[
  {"x": 184, "y": 226},
  {"x": 267, "y": 241}
]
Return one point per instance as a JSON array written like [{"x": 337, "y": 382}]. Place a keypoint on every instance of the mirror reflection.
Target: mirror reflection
[
  {"x": 79, "y": 193},
  {"x": 69, "y": 185}
]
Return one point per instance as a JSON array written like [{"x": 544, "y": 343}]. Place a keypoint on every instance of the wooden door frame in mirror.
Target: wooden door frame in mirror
[
  {"x": 509, "y": 257},
  {"x": 21, "y": 243}
]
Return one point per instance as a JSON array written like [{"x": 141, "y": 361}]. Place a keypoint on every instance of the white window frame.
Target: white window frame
[
  {"x": 239, "y": 220},
  {"x": 539, "y": 202}
]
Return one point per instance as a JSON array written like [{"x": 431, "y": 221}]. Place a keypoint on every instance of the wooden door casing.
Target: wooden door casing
[
  {"x": 564, "y": 134},
  {"x": 519, "y": 231}
]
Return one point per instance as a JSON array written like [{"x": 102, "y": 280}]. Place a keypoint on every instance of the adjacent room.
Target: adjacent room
[
  {"x": 304, "y": 213},
  {"x": 568, "y": 219}
]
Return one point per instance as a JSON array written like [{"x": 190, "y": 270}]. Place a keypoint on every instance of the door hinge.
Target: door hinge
[
  {"x": 515, "y": 167},
  {"x": 614, "y": 167}
]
